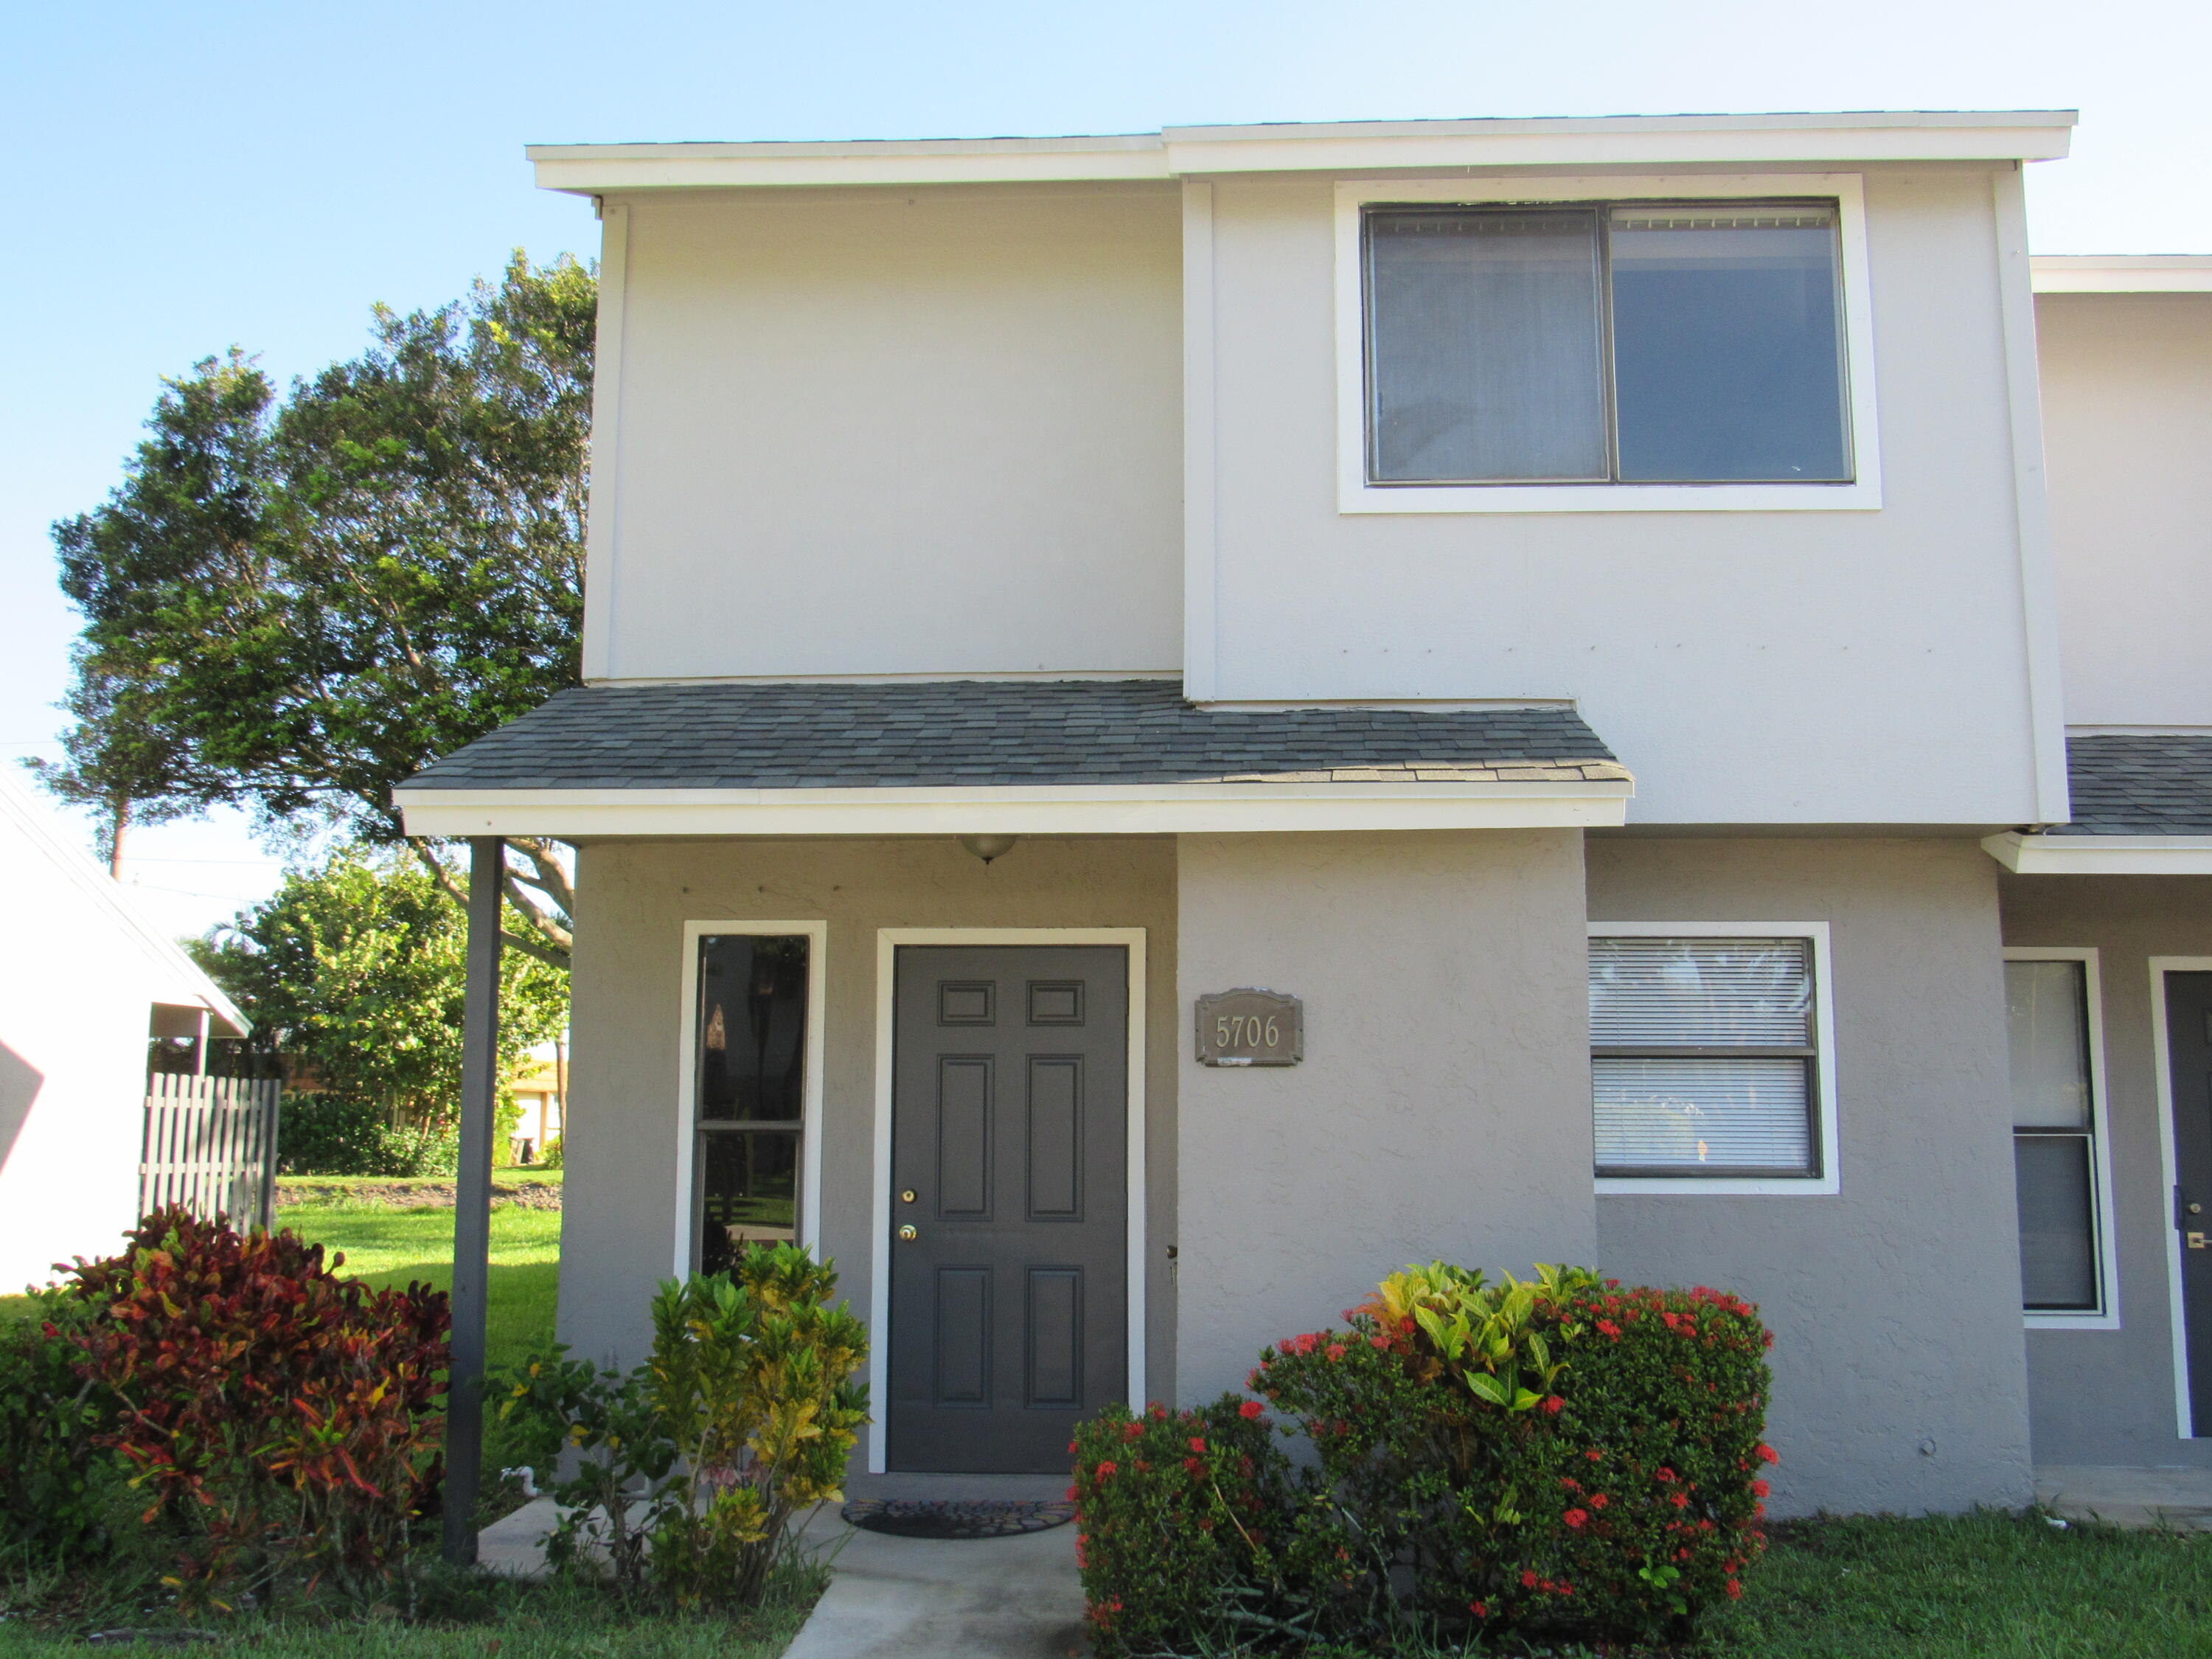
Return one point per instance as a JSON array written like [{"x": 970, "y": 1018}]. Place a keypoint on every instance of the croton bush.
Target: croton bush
[
  {"x": 1561, "y": 1457},
  {"x": 280, "y": 1422}
]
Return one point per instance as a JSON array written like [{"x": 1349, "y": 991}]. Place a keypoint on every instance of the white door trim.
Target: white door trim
[
  {"x": 687, "y": 1086},
  {"x": 888, "y": 939},
  {"x": 2177, "y": 1318}
]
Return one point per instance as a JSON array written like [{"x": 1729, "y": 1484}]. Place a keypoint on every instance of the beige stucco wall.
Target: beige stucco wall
[
  {"x": 1443, "y": 1109},
  {"x": 1749, "y": 666},
  {"x": 2108, "y": 1396},
  {"x": 1900, "y": 1381},
  {"x": 617, "y": 1231},
  {"x": 2127, "y": 409},
  {"x": 931, "y": 431}
]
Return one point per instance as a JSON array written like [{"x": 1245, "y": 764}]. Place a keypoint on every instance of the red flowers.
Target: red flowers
[
  {"x": 1767, "y": 1453},
  {"x": 1250, "y": 1408},
  {"x": 1479, "y": 1609},
  {"x": 1664, "y": 1476},
  {"x": 1734, "y": 1587},
  {"x": 1528, "y": 1579},
  {"x": 1599, "y": 1500},
  {"x": 1197, "y": 1444},
  {"x": 1336, "y": 1350},
  {"x": 1577, "y": 1519},
  {"x": 1608, "y": 1328},
  {"x": 1681, "y": 1500},
  {"x": 1553, "y": 1405},
  {"x": 1106, "y": 1469},
  {"x": 1761, "y": 1488},
  {"x": 1133, "y": 1432}
]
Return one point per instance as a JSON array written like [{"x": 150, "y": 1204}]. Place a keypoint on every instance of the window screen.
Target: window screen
[
  {"x": 2054, "y": 1136},
  {"x": 750, "y": 1092},
  {"x": 1652, "y": 342},
  {"x": 1703, "y": 1056}
]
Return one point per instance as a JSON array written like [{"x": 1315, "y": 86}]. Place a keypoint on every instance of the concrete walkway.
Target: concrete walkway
[
  {"x": 2177, "y": 1498},
  {"x": 917, "y": 1598}
]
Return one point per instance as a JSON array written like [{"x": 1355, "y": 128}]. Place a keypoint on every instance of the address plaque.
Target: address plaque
[{"x": 1249, "y": 1027}]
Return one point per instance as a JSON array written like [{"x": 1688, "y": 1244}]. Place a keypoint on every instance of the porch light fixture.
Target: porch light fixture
[{"x": 987, "y": 848}]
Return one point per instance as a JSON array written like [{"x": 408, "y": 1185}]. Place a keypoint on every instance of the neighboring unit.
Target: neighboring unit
[
  {"x": 1547, "y": 613},
  {"x": 85, "y": 981}
]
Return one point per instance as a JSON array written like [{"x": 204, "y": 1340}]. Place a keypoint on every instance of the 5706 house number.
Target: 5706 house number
[{"x": 1250, "y": 1027}]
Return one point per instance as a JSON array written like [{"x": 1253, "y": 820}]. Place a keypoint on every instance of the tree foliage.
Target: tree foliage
[
  {"x": 292, "y": 603},
  {"x": 359, "y": 968}
]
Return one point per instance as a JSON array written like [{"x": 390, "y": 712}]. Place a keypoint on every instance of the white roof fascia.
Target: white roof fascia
[
  {"x": 1178, "y": 152},
  {"x": 2101, "y": 855},
  {"x": 179, "y": 981},
  {"x": 1068, "y": 809},
  {"x": 2118, "y": 273}
]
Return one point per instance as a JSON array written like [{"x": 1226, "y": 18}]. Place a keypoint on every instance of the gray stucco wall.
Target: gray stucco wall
[
  {"x": 633, "y": 899},
  {"x": 1895, "y": 1302},
  {"x": 2108, "y": 1396},
  {"x": 1442, "y": 1109}
]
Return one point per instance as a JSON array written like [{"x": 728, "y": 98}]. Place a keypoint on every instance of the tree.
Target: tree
[
  {"x": 292, "y": 604},
  {"x": 359, "y": 968}
]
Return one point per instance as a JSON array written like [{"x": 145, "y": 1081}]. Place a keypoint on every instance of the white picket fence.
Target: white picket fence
[{"x": 212, "y": 1147}]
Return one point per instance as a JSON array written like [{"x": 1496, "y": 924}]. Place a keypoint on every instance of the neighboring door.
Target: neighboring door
[
  {"x": 1009, "y": 1189},
  {"x": 2189, "y": 1054}
]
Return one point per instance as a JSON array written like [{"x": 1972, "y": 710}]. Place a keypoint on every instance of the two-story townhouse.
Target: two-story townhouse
[{"x": 1567, "y": 607}]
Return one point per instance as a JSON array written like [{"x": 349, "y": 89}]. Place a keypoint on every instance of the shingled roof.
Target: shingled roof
[
  {"x": 950, "y": 733},
  {"x": 2139, "y": 785}
]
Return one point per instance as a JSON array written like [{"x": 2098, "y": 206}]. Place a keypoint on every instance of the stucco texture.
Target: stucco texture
[
  {"x": 634, "y": 898},
  {"x": 1900, "y": 1381},
  {"x": 2108, "y": 1396},
  {"x": 1443, "y": 1108}
]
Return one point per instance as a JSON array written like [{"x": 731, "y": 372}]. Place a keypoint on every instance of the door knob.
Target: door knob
[{"x": 909, "y": 1233}]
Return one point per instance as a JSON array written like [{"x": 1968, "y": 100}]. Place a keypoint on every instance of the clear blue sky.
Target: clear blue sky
[{"x": 191, "y": 176}]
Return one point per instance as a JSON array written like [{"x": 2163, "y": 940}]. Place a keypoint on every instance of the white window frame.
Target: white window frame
[
  {"x": 817, "y": 933},
  {"x": 888, "y": 940},
  {"x": 1829, "y": 1182},
  {"x": 2169, "y": 1162},
  {"x": 2106, "y": 1316},
  {"x": 1355, "y": 494}
]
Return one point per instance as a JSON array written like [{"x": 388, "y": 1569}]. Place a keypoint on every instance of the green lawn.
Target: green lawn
[
  {"x": 1991, "y": 1586},
  {"x": 388, "y": 1246}
]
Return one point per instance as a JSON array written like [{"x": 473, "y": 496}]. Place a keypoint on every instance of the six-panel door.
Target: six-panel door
[{"x": 1009, "y": 1183}]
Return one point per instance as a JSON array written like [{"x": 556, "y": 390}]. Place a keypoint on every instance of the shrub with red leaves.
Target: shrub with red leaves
[{"x": 282, "y": 1417}]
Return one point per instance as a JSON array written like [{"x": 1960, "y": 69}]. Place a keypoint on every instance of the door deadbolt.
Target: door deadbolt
[
  {"x": 909, "y": 1233},
  {"x": 907, "y": 1197},
  {"x": 2196, "y": 1209}
]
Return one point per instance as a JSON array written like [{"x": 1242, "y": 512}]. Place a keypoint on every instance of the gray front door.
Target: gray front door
[
  {"x": 1009, "y": 1183},
  {"x": 2189, "y": 1054}
]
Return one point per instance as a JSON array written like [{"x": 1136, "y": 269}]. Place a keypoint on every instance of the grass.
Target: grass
[
  {"x": 471, "y": 1616},
  {"x": 1990, "y": 1585}
]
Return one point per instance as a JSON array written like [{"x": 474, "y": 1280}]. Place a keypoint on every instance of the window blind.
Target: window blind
[{"x": 1704, "y": 1055}]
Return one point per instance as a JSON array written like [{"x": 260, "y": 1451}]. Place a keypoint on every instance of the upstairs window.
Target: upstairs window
[{"x": 1632, "y": 343}]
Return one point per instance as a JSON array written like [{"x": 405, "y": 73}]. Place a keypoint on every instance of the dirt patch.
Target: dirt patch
[{"x": 418, "y": 1194}]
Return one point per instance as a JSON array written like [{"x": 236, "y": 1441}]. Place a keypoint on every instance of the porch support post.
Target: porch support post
[{"x": 472, "y": 1197}]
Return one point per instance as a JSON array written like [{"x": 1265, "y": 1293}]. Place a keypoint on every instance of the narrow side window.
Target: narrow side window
[
  {"x": 2054, "y": 1136},
  {"x": 750, "y": 1080}
]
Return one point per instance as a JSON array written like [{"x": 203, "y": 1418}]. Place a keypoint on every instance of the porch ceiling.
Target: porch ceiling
[{"x": 1076, "y": 757}]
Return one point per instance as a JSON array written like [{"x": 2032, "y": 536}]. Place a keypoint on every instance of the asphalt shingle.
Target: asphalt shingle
[
  {"x": 2139, "y": 785},
  {"x": 949, "y": 733}
]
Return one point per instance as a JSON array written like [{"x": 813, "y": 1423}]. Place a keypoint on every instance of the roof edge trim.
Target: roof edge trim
[
  {"x": 1068, "y": 810},
  {"x": 2121, "y": 273},
  {"x": 1176, "y": 152},
  {"x": 2101, "y": 855}
]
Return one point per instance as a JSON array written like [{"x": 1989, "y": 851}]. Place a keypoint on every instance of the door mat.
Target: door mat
[{"x": 956, "y": 1517}]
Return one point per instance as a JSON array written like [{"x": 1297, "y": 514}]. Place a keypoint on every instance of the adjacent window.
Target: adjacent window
[
  {"x": 1642, "y": 342},
  {"x": 2050, "y": 1013},
  {"x": 750, "y": 1092},
  {"x": 1706, "y": 1059}
]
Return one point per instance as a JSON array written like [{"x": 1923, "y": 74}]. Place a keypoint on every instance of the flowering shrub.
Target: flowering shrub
[
  {"x": 1180, "y": 1524},
  {"x": 280, "y": 1418},
  {"x": 1558, "y": 1456}
]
